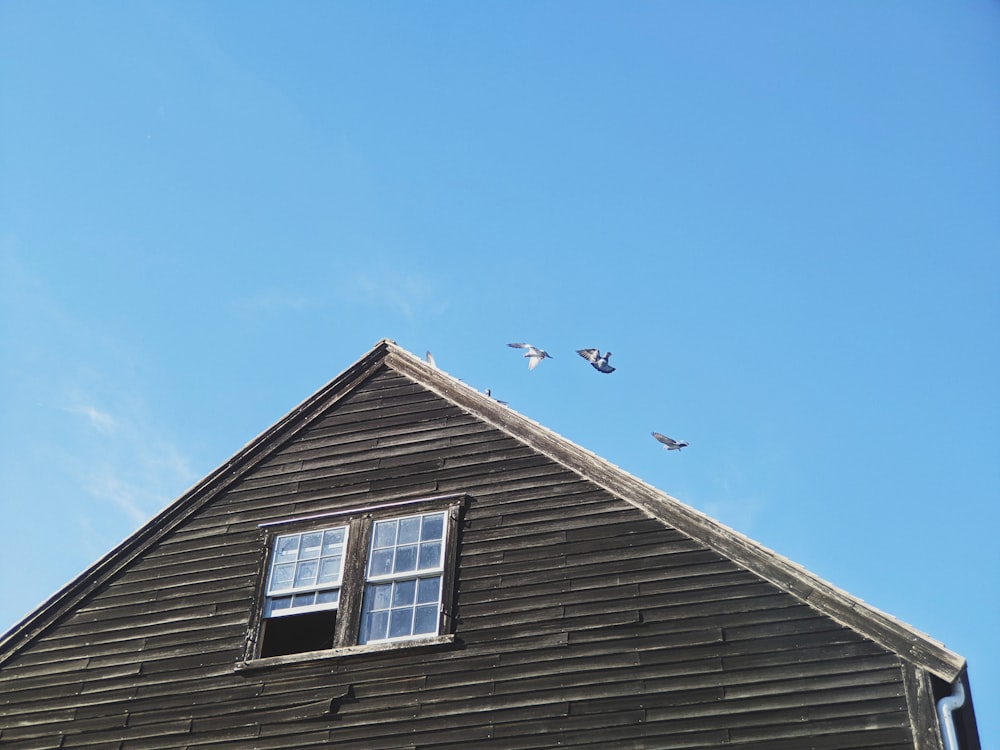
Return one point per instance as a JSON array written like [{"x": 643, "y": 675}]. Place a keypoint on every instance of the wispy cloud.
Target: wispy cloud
[
  {"x": 128, "y": 498},
  {"x": 80, "y": 414},
  {"x": 735, "y": 499},
  {"x": 128, "y": 463},
  {"x": 99, "y": 420},
  {"x": 741, "y": 514},
  {"x": 409, "y": 293},
  {"x": 275, "y": 300},
  {"x": 372, "y": 283}
]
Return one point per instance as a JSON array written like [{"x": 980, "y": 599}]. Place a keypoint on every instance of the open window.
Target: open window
[
  {"x": 303, "y": 591},
  {"x": 358, "y": 578}
]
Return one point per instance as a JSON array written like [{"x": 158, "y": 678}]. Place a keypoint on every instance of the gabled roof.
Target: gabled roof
[{"x": 909, "y": 644}]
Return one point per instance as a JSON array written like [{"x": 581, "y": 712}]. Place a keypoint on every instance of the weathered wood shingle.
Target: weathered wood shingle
[{"x": 590, "y": 610}]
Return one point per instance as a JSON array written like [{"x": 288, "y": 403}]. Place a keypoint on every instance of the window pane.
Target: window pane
[
  {"x": 404, "y": 593},
  {"x": 430, "y": 555},
  {"x": 329, "y": 570},
  {"x": 305, "y": 573},
  {"x": 429, "y": 590},
  {"x": 401, "y": 623},
  {"x": 433, "y": 527},
  {"x": 409, "y": 530},
  {"x": 406, "y": 559},
  {"x": 380, "y": 596},
  {"x": 366, "y": 625},
  {"x": 332, "y": 538},
  {"x": 310, "y": 545},
  {"x": 378, "y": 625},
  {"x": 426, "y": 619},
  {"x": 287, "y": 547},
  {"x": 281, "y": 577},
  {"x": 274, "y": 605},
  {"x": 304, "y": 600},
  {"x": 331, "y": 596},
  {"x": 384, "y": 534},
  {"x": 381, "y": 562}
]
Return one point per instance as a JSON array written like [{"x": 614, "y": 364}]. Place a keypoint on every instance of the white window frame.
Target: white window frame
[
  {"x": 417, "y": 574},
  {"x": 271, "y": 594}
]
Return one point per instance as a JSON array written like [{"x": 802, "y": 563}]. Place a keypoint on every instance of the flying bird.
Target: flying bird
[
  {"x": 534, "y": 354},
  {"x": 598, "y": 360},
  {"x": 669, "y": 443}
]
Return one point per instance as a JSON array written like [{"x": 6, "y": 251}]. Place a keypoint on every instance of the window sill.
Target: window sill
[{"x": 339, "y": 653}]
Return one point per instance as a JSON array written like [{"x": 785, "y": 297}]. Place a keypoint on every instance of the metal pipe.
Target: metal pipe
[{"x": 945, "y": 707}]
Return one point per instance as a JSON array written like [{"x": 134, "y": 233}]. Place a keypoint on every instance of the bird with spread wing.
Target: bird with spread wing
[
  {"x": 598, "y": 360},
  {"x": 669, "y": 443},
  {"x": 534, "y": 354}
]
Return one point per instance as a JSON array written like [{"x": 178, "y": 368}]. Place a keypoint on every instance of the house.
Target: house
[{"x": 402, "y": 562}]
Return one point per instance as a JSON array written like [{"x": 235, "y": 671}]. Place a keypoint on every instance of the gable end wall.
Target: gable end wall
[{"x": 578, "y": 616}]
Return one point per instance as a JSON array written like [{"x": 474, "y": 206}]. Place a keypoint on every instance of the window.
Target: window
[
  {"x": 303, "y": 584},
  {"x": 403, "y": 584},
  {"x": 380, "y": 575},
  {"x": 305, "y": 572}
]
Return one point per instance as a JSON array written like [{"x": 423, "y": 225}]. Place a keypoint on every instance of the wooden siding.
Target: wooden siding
[{"x": 580, "y": 620}]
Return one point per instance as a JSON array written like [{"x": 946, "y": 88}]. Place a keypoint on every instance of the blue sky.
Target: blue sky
[{"x": 781, "y": 217}]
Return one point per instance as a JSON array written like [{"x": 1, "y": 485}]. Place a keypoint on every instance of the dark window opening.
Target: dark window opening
[{"x": 298, "y": 633}]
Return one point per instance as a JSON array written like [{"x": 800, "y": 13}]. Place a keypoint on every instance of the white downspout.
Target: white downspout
[{"x": 945, "y": 706}]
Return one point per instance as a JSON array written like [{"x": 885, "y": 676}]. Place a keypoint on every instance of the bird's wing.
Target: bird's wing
[
  {"x": 533, "y": 362},
  {"x": 663, "y": 438},
  {"x": 521, "y": 346},
  {"x": 430, "y": 359},
  {"x": 591, "y": 355}
]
